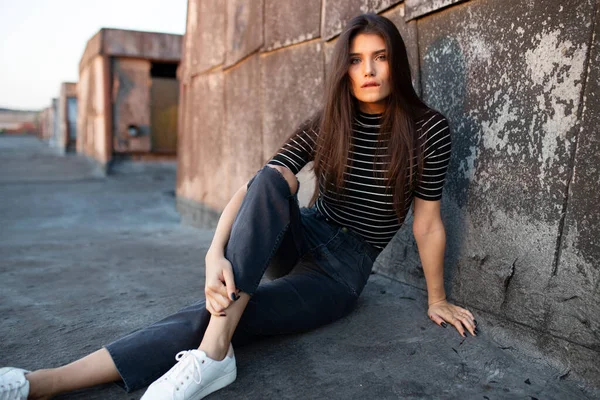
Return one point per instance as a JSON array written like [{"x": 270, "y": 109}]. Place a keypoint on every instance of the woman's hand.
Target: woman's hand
[
  {"x": 441, "y": 312},
  {"x": 219, "y": 287}
]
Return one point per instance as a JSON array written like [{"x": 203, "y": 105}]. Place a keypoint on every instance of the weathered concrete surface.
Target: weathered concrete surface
[
  {"x": 92, "y": 109},
  {"x": 514, "y": 124},
  {"x": 244, "y": 29},
  {"x": 88, "y": 260},
  {"x": 137, "y": 44},
  {"x": 300, "y": 70},
  {"x": 202, "y": 171},
  {"x": 291, "y": 22},
  {"x": 408, "y": 30},
  {"x": 339, "y": 12},
  {"x": 243, "y": 127},
  {"x": 205, "y": 36},
  {"x": 418, "y": 8},
  {"x": 574, "y": 289},
  {"x": 510, "y": 80}
]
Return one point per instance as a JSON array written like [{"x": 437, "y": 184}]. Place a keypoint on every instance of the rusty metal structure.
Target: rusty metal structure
[{"x": 128, "y": 94}]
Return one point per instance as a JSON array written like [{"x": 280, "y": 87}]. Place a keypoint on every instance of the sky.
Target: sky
[{"x": 41, "y": 41}]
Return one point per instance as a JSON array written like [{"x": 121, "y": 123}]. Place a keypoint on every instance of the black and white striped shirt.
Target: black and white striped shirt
[{"x": 367, "y": 206}]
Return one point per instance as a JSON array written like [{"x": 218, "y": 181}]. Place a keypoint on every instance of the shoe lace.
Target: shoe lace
[
  {"x": 183, "y": 360},
  {"x": 10, "y": 389}
]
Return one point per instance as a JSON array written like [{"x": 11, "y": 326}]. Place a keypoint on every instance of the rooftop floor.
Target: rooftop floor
[{"x": 87, "y": 258}]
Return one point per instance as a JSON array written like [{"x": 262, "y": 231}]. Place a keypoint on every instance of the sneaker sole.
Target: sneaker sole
[{"x": 217, "y": 384}]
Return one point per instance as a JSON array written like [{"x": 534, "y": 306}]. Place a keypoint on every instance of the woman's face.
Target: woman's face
[{"x": 369, "y": 72}]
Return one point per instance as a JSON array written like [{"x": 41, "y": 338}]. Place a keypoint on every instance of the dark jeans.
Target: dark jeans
[{"x": 324, "y": 268}]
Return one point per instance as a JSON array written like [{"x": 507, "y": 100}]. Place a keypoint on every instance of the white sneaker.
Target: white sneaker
[
  {"x": 194, "y": 377},
  {"x": 13, "y": 384}
]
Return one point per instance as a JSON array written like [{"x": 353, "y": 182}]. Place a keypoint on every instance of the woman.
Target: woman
[{"x": 376, "y": 147}]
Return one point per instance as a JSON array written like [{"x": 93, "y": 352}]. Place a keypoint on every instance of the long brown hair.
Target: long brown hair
[{"x": 398, "y": 121}]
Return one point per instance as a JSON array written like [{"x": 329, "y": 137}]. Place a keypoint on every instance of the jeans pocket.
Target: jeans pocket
[{"x": 346, "y": 265}]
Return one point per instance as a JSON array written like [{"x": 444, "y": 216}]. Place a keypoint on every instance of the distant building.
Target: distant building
[
  {"x": 65, "y": 135},
  {"x": 48, "y": 122},
  {"x": 18, "y": 121},
  {"x": 128, "y": 94}
]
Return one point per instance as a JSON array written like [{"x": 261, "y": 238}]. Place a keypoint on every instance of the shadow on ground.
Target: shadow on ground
[{"x": 86, "y": 259}]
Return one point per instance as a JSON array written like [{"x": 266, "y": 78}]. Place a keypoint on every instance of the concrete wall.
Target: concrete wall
[
  {"x": 114, "y": 90},
  {"x": 61, "y": 137},
  {"x": 518, "y": 82},
  {"x": 48, "y": 121},
  {"x": 93, "y": 111}
]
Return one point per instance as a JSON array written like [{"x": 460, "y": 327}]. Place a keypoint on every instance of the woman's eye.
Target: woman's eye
[
  {"x": 354, "y": 60},
  {"x": 381, "y": 57}
]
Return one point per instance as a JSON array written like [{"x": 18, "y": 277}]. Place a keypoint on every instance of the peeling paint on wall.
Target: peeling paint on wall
[{"x": 557, "y": 67}]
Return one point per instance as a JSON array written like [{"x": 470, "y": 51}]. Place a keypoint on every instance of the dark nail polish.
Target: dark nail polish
[
  {"x": 475, "y": 321},
  {"x": 223, "y": 315},
  {"x": 233, "y": 297},
  {"x": 476, "y": 331},
  {"x": 444, "y": 324}
]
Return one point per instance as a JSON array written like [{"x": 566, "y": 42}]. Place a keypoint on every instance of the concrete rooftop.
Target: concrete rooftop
[{"x": 87, "y": 258}]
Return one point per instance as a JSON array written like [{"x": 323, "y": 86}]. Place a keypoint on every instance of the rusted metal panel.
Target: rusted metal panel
[
  {"x": 164, "y": 97},
  {"x": 418, "y": 8},
  {"x": 131, "y": 105}
]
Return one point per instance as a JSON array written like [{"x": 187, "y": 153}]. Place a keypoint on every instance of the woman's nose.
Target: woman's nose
[{"x": 369, "y": 69}]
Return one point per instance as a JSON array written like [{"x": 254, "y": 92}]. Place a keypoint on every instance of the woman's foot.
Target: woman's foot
[
  {"x": 13, "y": 384},
  {"x": 194, "y": 377}
]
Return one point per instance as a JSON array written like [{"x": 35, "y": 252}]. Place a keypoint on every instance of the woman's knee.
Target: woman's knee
[{"x": 288, "y": 175}]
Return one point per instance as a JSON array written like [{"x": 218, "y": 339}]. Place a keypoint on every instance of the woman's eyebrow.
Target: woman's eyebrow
[{"x": 375, "y": 53}]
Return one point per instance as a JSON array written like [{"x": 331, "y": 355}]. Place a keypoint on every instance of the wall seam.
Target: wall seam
[
  {"x": 563, "y": 216},
  {"x": 419, "y": 70}
]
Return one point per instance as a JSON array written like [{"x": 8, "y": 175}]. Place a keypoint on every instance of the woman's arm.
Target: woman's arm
[
  {"x": 219, "y": 287},
  {"x": 217, "y": 246},
  {"x": 430, "y": 236}
]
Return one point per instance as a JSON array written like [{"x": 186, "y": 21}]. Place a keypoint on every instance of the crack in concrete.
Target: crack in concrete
[
  {"x": 571, "y": 164},
  {"x": 507, "y": 282}
]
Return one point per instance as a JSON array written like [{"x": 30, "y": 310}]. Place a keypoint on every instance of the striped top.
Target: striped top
[{"x": 367, "y": 206}]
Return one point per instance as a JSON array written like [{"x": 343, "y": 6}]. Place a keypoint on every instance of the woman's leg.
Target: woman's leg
[
  {"x": 268, "y": 211},
  {"x": 271, "y": 209},
  {"x": 94, "y": 369}
]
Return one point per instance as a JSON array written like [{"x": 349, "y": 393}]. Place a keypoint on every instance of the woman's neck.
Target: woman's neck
[{"x": 372, "y": 108}]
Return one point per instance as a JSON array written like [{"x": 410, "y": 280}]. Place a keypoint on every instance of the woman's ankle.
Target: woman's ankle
[
  {"x": 215, "y": 351},
  {"x": 42, "y": 384}
]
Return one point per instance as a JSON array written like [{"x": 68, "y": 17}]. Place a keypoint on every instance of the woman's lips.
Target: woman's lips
[{"x": 369, "y": 84}]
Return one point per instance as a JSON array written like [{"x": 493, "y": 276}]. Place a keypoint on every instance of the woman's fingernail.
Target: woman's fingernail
[
  {"x": 233, "y": 297},
  {"x": 223, "y": 315},
  {"x": 444, "y": 324},
  {"x": 476, "y": 331},
  {"x": 475, "y": 321}
]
